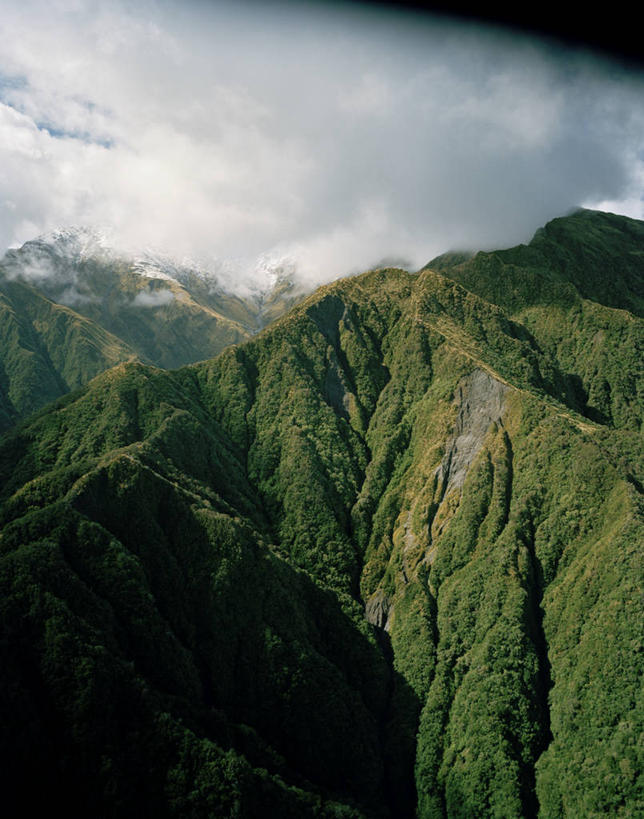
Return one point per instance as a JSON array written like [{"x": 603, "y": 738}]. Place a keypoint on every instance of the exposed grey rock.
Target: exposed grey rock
[
  {"x": 377, "y": 609},
  {"x": 480, "y": 399}
]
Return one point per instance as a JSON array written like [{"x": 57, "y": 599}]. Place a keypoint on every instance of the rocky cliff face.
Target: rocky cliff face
[{"x": 480, "y": 402}]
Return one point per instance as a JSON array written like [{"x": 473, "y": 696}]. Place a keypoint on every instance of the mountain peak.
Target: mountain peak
[{"x": 55, "y": 253}]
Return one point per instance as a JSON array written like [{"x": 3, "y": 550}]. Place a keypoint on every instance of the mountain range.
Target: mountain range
[
  {"x": 71, "y": 307},
  {"x": 382, "y": 558}
]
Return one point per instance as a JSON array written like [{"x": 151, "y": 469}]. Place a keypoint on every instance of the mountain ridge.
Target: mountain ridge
[
  {"x": 378, "y": 560},
  {"x": 159, "y": 312}
]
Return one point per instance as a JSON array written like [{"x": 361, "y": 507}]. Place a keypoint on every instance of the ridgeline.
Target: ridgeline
[{"x": 383, "y": 559}]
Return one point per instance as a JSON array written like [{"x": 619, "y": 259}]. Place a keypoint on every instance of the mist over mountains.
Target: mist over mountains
[
  {"x": 72, "y": 306},
  {"x": 52, "y": 259}
]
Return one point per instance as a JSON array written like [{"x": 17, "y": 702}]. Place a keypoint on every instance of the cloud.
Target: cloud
[
  {"x": 325, "y": 135},
  {"x": 153, "y": 298},
  {"x": 72, "y": 297}
]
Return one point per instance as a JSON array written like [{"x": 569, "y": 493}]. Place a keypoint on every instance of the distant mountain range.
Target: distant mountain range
[
  {"x": 71, "y": 307},
  {"x": 382, "y": 559}
]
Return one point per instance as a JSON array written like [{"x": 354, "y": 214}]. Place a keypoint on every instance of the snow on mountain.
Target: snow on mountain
[{"x": 56, "y": 255}]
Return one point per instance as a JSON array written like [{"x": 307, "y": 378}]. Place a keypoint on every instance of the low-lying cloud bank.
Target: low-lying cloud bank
[{"x": 328, "y": 136}]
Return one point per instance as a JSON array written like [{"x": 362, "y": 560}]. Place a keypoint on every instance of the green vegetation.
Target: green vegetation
[
  {"x": 62, "y": 329},
  {"x": 46, "y": 350},
  {"x": 383, "y": 559}
]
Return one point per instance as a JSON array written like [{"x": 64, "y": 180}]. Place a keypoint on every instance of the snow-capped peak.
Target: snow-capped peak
[
  {"x": 56, "y": 254},
  {"x": 75, "y": 242}
]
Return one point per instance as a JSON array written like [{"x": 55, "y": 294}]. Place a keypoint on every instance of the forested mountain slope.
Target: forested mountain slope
[
  {"x": 46, "y": 350},
  {"x": 384, "y": 559},
  {"x": 70, "y": 310},
  {"x": 559, "y": 287}
]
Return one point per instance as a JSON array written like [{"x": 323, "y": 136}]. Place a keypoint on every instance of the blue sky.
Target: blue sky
[{"x": 327, "y": 134}]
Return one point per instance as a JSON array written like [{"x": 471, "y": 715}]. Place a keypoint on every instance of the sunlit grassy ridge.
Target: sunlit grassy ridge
[{"x": 385, "y": 558}]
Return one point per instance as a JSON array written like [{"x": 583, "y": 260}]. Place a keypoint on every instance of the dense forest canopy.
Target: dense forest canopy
[{"x": 383, "y": 558}]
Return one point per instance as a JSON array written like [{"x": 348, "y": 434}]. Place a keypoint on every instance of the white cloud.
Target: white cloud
[
  {"x": 220, "y": 130},
  {"x": 153, "y": 298},
  {"x": 632, "y": 201},
  {"x": 72, "y": 297}
]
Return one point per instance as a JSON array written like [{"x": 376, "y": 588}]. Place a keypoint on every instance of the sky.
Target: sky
[{"x": 331, "y": 135}]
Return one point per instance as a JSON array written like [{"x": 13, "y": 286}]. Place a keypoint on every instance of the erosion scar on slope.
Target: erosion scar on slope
[{"x": 481, "y": 401}]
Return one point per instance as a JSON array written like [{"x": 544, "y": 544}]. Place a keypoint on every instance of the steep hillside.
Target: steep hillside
[
  {"x": 578, "y": 289},
  {"x": 599, "y": 255},
  {"x": 383, "y": 559},
  {"x": 73, "y": 309},
  {"x": 46, "y": 350}
]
